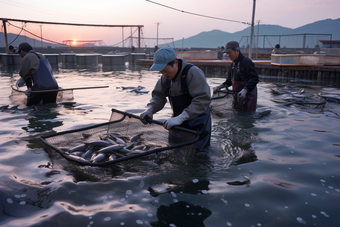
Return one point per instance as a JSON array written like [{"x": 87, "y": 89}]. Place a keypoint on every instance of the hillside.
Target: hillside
[{"x": 215, "y": 38}]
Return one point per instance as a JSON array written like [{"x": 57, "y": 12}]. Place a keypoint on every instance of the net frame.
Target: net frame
[
  {"x": 220, "y": 100},
  {"x": 19, "y": 97},
  {"x": 181, "y": 149}
]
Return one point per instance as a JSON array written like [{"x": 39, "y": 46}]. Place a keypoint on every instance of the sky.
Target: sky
[{"x": 165, "y": 21}]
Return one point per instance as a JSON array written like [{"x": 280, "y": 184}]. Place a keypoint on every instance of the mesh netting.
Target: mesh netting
[
  {"x": 154, "y": 144},
  {"x": 18, "y": 96},
  {"x": 221, "y": 103}
]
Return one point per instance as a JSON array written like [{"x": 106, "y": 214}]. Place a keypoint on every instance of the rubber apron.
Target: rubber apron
[
  {"x": 202, "y": 123},
  {"x": 239, "y": 81},
  {"x": 43, "y": 78}
]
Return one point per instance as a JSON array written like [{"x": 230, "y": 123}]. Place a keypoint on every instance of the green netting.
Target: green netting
[{"x": 155, "y": 144}]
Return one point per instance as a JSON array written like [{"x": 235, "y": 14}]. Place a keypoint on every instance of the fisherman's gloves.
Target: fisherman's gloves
[
  {"x": 28, "y": 91},
  {"x": 219, "y": 87},
  {"x": 147, "y": 114},
  {"x": 171, "y": 122},
  {"x": 242, "y": 95}
]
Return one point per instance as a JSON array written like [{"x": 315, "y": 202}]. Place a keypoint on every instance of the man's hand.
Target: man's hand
[
  {"x": 28, "y": 91},
  {"x": 171, "y": 122},
  {"x": 148, "y": 113},
  {"x": 242, "y": 95},
  {"x": 219, "y": 87}
]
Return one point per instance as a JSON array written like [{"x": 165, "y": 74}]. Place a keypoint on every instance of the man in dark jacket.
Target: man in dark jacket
[
  {"x": 36, "y": 71},
  {"x": 243, "y": 77},
  {"x": 188, "y": 92}
]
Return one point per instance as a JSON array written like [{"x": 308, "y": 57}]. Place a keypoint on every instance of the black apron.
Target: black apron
[{"x": 202, "y": 123}]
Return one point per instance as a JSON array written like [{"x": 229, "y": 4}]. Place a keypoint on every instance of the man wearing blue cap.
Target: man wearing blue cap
[
  {"x": 243, "y": 76},
  {"x": 186, "y": 87},
  {"x": 36, "y": 71}
]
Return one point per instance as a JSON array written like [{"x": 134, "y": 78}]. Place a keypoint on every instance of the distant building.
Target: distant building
[{"x": 330, "y": 43}]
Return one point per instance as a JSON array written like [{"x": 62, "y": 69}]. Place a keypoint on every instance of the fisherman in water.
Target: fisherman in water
[
  {"x": 186, "y": 87},
  {"x": 36, "y": 71},
  {"x": 243, "y": 76}
]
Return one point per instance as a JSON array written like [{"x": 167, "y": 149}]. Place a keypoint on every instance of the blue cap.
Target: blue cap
[{"x": 162, "y": 57}]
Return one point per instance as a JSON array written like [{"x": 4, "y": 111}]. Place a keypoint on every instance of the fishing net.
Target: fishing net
[
  {"x": 221, "y": 103},
  {"x": 151, "y": 143},
  {"x": 19, "y": 97}
]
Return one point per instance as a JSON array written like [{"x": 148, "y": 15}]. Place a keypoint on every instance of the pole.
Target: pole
[
  {"x": 138, "y": 39},
  {"x": 5, "y": 32},
  {"x": 252, "y": 31},
  {"x": 41, "y": 35},
  {"x": 157, "y": 32},
  {"x": 123, "y": 36},
  {"x": 257, "y": 41}
]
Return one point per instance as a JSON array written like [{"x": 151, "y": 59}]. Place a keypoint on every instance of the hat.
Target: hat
[
  {"x": 162, "y": 57},
  {"x": 231, "y": 45},
  {"x": 25, "y": 47},
  {"x": 277, "y": 46}
]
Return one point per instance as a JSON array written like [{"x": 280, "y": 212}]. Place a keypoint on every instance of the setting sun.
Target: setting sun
[{"x": 74, "y": 42}]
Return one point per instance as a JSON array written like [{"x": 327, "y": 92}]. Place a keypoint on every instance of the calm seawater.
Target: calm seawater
[{"x": 279, "y": 170}]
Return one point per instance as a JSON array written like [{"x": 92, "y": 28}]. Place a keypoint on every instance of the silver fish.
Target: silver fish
[
  {"x": 88, "y": 153},
  {"x": 118, "y": 140},
  {"x": 130, "y": 146},
  {"x": 124, "y": 150},
  {"x": 110, "y": 141},
  {"x": 135, "y": 138},
  {"x": 141, "y": 147},
  {"x": 114, "y": 147},
  {"x": 77, "y": 158},
  {"x": 77, "y": 153},
  {"x": 112, "y": 157},
  {"x": 81, "y": 147},
  {"x": 98, "y": 158},
  {"x": 99, "y": 143}
]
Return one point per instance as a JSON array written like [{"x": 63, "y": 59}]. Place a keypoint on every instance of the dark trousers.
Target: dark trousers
[{"x": 46, "y": 97}]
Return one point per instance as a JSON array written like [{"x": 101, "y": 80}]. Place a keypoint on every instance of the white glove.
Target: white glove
[
  {"x": 148, "y": 113},
  {"x": 242, "y": 94},
  {"x": 219, "y": 87},
  {"x": 171, "y": 122},
  {"x": 28, "y": 91},
  {"x": 20, "y": 83}
]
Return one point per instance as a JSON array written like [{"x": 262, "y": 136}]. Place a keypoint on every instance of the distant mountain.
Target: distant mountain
[{"x": 216, "y": 38}]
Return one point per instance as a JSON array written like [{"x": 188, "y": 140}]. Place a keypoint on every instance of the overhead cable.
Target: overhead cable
[{"x": 196, "y": 14}]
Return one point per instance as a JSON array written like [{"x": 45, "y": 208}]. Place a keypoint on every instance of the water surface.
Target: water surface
[{"x": 278, "y": 170}]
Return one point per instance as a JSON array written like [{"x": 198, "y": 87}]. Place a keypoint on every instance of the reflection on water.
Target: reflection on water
[{"x": 276, "y": 170}]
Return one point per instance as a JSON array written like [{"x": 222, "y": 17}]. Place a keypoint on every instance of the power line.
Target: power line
[{"x": 196, "y": 14}]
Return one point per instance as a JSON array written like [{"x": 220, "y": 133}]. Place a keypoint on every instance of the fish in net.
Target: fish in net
[{"x": 123, "y": 141}]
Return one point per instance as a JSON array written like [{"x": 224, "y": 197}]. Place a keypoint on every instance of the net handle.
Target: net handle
[{"x": 152, "y": 121}]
